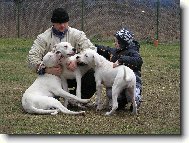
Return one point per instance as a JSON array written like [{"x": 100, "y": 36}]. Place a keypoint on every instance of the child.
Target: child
[{"x": 126, "y": 52}]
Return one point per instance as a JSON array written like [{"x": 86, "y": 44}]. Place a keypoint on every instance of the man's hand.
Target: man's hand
[
  {"x": 115, "y": 64},
  {"x": 56, "y": 70},
  {"x": 71, "y": 65}
]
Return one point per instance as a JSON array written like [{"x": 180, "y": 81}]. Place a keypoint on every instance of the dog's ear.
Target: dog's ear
[
  {"x": 96, "y": 59},
  {"x": 54, "y": 48},
  {"x": 41, "y": 68}
]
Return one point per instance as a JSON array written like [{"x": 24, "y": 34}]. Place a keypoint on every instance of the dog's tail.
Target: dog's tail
[{"x": 127, "y": 72}]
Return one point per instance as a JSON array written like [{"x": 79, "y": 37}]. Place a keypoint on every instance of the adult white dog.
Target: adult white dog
[
  {"x": 38, "y": 98},
  {"x": 68, "y": 52},
  {"x": 118, "y": 78}
]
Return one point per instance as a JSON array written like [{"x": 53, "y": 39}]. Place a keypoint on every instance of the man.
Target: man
[{"x": 61, "y": 32}]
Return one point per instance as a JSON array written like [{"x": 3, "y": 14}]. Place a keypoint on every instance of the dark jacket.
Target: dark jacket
[{"x": 128, "y": 56}]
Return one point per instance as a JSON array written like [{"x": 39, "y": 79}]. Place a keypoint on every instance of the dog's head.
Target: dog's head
[
  {"x": 89, "y": 57},
  {"x": 51, "y": 59},
  {"x": 65, "y": 49}
]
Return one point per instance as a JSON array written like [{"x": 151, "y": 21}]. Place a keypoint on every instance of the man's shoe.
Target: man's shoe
[{"x": 138, "y": 105}]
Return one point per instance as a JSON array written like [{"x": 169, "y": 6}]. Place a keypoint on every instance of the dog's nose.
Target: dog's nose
[
  {"x": 74, "y": 49},
  {"x": 77, "y": 57}
]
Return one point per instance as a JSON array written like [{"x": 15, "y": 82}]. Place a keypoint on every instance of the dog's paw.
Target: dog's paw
[
  {"x": 83, "y": 113},
  {"x": 108, "y": 113},
  {"x": 99, "y": 108},
  {"x": 111, "y": 112},
  {"x": 134, "y": 110},
  {"x": 81, "y": 106},
  {"x": 87, "y": 100},
  {"x": 91, "y": 104},
  {"x": 54, "y": 113}
]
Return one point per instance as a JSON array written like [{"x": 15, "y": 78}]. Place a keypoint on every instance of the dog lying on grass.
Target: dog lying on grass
[
  {"x": 118, "y": 78},
  {"x": 38, "y": 98}
]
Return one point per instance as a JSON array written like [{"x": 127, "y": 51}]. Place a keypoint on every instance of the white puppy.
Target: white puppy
[
  {"x": 118, "y": 78},
  {"x": 68, "y": 52},
  {"x": 38, "y": 98}
]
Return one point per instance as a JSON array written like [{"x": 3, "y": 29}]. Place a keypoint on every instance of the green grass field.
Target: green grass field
[{"x": 159, "y": 114}]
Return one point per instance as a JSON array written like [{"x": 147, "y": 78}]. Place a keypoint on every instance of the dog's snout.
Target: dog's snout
[
  {"x": 74, "y": 49},
  {"x": 77, "y": 57}
]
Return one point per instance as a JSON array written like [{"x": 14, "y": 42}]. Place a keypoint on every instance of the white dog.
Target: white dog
[
  {"x": 118, "y": 78},
  {"x": 38, "y": 98},
  {"x": 68, "y": 52}
]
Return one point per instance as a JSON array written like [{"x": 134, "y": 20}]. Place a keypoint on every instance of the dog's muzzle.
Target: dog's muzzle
[
  {"x": 77, "y": 57},
  {"x": 79, "y": 63}
]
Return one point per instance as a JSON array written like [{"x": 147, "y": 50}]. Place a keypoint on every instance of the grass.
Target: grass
[{"x": 159, "y": 114}]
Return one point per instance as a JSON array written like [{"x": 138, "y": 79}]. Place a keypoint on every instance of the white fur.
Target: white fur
[
  {"x": 38, "y": 98},
  {"x": 67, "y": 52},
  {"x": 118, "y": 78}
]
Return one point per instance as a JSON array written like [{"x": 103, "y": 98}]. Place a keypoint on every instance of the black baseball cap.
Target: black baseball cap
[{"x": 60, "y": 16}]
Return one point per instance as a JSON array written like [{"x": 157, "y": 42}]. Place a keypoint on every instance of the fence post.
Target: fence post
[
  {"x": 82, "y": 13},
  {"x": 157, "y": 24},
  {"x": 18, "y": 2}
]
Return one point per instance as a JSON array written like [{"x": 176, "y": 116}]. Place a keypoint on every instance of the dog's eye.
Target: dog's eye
[
  {"x": 66, "y": 47},
  {"x": 86, "y": 55}
]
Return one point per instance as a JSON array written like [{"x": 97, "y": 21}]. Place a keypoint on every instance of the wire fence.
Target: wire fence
[{"x": 99, "y": 19}]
